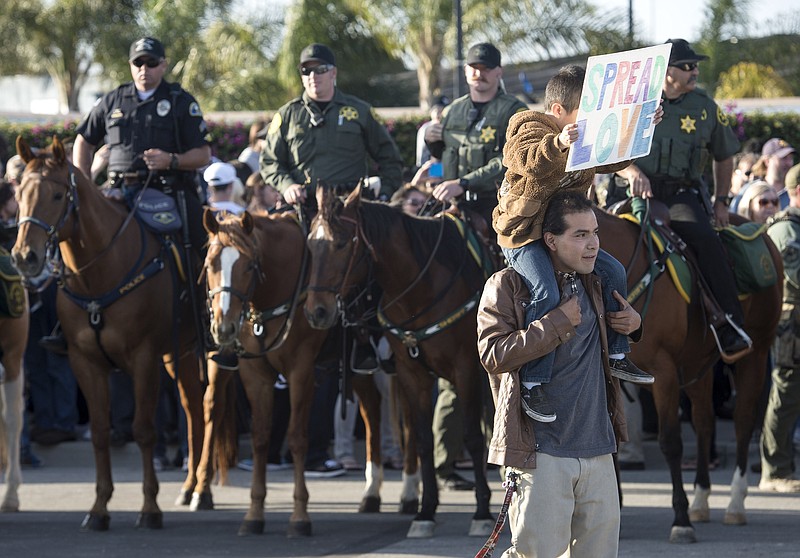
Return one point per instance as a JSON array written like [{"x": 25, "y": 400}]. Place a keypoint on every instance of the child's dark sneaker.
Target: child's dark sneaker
[
  {"x": 536, "y": 406},
  {"x": 624, "y": 369}
]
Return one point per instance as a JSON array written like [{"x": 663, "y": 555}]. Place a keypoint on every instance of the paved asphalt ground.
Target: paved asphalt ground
[{"x": 56, "y": 497}]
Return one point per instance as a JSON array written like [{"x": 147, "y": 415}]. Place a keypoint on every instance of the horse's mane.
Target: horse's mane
[
  {"x": 423, "y": 234},
  {"x": 230, "y": 233}
]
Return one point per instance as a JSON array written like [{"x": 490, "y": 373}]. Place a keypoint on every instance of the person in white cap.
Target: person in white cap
[{"x": 220, "y": 178}]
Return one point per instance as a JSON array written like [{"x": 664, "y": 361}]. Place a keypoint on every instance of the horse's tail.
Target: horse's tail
[{"x": 226, "y": 446}]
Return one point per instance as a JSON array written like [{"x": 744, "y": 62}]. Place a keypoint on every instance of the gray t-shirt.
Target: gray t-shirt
[{"x": 577, "y": 392}]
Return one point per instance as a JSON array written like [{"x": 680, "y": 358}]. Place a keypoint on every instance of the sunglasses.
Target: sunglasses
[
  {"x": 319, "y": 70},
  {"x": 414, "y": 203},
  {"x": 763, "y": 202},
  {"x": 150, "y": 62},
  {"x": 686, "y": 66}
]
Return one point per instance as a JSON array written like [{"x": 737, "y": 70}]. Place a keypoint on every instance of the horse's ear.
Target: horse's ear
[
  {"x": 247, "y": 222},
  {"x": 59, "y": 153},
  {"x": 320, "y": 194},
  {"x": 354, "y": 197},
  {"x": 210, "y": 223},
  {"x": 24, "y": 150}
]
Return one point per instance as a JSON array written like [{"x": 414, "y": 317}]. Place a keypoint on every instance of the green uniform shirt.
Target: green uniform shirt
[
  {"x": 334, "y": 151},
  {"x": 785, "y": 233},
  {"x": 473, "y": 147},
  {"x": 693, "y": 127}
]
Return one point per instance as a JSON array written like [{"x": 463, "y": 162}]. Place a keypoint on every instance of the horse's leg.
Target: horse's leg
[
  {"x": 369, "y": 402},
  {"x": 666, "y": 394},
  {"x": 749, "y": 377},
  {"x": 258, "y": 381},
  {"x": 198, "y": 496},
  {"x": 699, "y": 393},
  {"x": 418, "y": 386},
  {"x": 93, "y": 381},
  {"x": 11, "y": 407},
  {"x": 472, "y": 394},
  {"x": 409, "y": 494},
  {"x": 301, "y": 393},
  {"x": 146, "y": 385}
]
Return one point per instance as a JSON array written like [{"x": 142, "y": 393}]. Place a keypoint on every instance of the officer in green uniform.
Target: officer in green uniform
[
  {"x": 471, "y": 136},
  {"x": 469, "y": 141},
  {"x": 693, "y": 130},
  {"x": 783, "y": 409},
  {"x": 325, "y": 135}
]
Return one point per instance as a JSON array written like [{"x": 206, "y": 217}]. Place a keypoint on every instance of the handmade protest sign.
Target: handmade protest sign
[{"x": 620, "y": 96}]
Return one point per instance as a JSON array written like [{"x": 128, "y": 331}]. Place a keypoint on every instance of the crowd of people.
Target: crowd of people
[{"x": 544, "y": 322}]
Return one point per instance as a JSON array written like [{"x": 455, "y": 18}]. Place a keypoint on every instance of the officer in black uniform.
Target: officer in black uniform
[
  {"x": 693, "y": 130},
  {"x": 156, "y": 136},
  {"x": 153, "y": 129}
]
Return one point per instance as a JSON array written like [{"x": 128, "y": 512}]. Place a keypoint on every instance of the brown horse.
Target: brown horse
[
  {"x": 679, "y": 350},
  {"x": 117, "y": 310},
  {"x": 256, "y": 276},
  {"x": 13, "y": 338},
  {"x": 430, "y": 283}
]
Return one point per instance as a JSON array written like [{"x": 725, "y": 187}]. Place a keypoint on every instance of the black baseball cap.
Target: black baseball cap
[
  {"x": 682, "y": 52},
  {"x": 318, "y": 52},
  {"x": 146, "y": 46},
  {"x": 484, "y": 53}
]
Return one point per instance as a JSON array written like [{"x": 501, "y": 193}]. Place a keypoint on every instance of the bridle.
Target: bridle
[
  {"x": 254, "y": 268},
  {"x": 70, "y": 208}
]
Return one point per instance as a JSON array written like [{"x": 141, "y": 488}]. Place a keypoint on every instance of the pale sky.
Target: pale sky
[{"x": 655, "y": 21}]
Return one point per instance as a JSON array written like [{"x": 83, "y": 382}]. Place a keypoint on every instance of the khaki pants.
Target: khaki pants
[{"x": 565, "y": 507}]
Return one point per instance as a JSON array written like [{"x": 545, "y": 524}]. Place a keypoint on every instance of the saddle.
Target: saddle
[
  {"x": 12, "y": 293},
  {"x": 157, "y": 212}
]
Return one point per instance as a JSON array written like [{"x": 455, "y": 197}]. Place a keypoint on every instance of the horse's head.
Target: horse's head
[
  {"x": 46, "y": 197},
  {"x": 231, "y": 269},
  {"x": 337, "y": 247}
]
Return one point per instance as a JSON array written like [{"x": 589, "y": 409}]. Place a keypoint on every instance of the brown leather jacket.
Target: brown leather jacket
[{"x": 505, "y": 344}]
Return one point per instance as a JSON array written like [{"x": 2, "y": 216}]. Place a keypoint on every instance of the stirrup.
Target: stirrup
[
  {"x": 353, "y": 355},
  {"x": 730, "y": 358}
]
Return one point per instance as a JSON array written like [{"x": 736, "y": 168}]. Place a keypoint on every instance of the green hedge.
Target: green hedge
[{"x": 228, "y": 140}]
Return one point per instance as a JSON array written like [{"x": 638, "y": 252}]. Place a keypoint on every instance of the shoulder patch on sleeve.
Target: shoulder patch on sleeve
[
  {"x": 194, "y": 109},
  {"x": 275, "y": 125},
  {"x": 722, "y": 118}
]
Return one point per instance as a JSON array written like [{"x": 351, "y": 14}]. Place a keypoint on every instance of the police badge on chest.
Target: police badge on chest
[{"x": 162, "y": 108}]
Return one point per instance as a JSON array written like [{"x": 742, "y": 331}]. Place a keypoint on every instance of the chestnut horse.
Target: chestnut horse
[
  {"x": 116, "y": 311},
  {"x": 430, "y": 283},
  {"x": 13, "y": 338},
  {"x": 256, "y": 271},
  {"x": 679, "y": 350}
]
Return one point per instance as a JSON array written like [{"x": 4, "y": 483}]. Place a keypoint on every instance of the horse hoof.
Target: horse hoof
[
  {"x": 409, "y": 507},
  {"x": 700, "y": 516},
  {"x": 682, "y": 535},
  {"x": 184, "y": 498},
  {"x": 481, "y": 527},
  {"x": 421, "y": 529},
  {"x": 9, "y": 507},
  {"x": 251, "y": 527},
  {"x": 299, "y": 529},
  {"x": 370, "y": 504},
  {"x": 201, "y": 501},
  {"x": 737, "y": 518},
  {"x": 95, "y": 522},
  {"x": 150, "y": 520}
]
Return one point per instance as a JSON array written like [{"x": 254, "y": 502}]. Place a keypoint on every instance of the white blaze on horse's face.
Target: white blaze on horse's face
[
  {"x": 321, "y": 233},
  {"x": 228, "y": 258}
]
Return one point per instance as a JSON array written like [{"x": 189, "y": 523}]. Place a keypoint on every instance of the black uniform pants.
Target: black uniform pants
[{"x": 691, "y": 222}]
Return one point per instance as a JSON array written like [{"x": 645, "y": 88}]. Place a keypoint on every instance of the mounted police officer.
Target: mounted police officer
[
  {"x": 694, "y": 128},
  {"x": 151, "y": 126},
  {"x": 327, "y": 136},
  {"x": 156, "y": 136},
  {"x": 471, "y": 136}
]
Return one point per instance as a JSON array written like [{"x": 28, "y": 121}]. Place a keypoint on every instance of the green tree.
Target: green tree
[
  {"x": 62, "y": 38},
  {"x": 229, "y": 69},
  {"x": 748, "y": 79}
]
